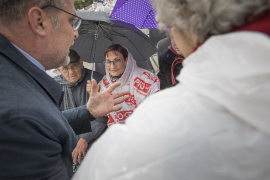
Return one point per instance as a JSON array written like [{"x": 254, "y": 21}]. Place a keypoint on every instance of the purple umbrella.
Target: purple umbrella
[{"x": 137, "y": 12}]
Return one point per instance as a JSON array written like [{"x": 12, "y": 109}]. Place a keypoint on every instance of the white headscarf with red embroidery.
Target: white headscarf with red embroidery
[{"x": 140, "y": 82}]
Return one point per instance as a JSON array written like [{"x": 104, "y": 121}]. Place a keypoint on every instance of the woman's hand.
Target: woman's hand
[{"x": 89, "y": 86}]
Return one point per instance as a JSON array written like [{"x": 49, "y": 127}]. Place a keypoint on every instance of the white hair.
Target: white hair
[
  {"x": 204, "y": 18},
  {"x": 12, "y": 11}
]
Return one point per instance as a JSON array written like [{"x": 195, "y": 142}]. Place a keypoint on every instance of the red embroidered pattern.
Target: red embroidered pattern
[
  {"x": 151, "y": 76},
  {"x": 106, "y": 82},
  {"x": 119, "y": 117},
  {"x": 157, "y": 80},
  {"x": 141, "y": 87},
  {"x": 111, "y": 121},
  {"x": 131, "y": 101}
]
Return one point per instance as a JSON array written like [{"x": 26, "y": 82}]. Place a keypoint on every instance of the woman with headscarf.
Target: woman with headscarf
[
  {"x": 214, "y": 124},
  {"x": 120, "y": 66}
]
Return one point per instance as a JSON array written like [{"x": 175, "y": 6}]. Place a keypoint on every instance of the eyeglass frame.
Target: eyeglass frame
[
  {"x": 76, "y": 66},
  {"x": 104, "y": 62},
  {"x": 75, "y": 28}
]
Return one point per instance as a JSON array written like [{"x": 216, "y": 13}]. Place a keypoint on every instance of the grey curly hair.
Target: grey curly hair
[
  {"x": 204, "y": 18},
  {"x": 11, "y": 11}
]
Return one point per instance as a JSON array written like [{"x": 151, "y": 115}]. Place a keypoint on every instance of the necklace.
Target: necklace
[{"x": 115, "y": 78}]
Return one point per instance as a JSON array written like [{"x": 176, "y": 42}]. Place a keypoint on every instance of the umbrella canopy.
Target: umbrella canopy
[
  {"x": 137, "y": 12},
  {"x": 98, "y": 31}
]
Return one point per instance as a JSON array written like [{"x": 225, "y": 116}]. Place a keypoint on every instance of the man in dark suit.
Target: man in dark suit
[{"x": 37, "y": 139}]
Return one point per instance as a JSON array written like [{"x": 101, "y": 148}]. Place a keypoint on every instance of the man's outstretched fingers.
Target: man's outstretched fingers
[
  {"x": 93, "y": 88},
  {"x": 117, "y": 108},
  {"x": 119, "y": 94},
  {"x": 111, "y": 88},
  {"x": 120, "y": 100}
]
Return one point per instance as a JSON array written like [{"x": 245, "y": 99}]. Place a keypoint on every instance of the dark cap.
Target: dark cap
[{"x": 74, "y": 56}]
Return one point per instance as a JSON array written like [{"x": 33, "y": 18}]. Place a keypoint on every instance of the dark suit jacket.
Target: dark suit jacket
[
  {"x": 36, "y": 138},
  {"x": 165, "y": 63}
]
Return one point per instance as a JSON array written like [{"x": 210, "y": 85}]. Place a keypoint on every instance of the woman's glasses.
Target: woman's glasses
[{"x": 108, "y": 63}]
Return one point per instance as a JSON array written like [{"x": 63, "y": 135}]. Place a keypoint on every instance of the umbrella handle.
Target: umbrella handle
[{"x": 92, "y": 71}]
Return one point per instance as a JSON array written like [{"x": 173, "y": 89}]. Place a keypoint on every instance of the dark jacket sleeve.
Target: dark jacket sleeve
[
  {"x": 79, "y": 119},
  {"x": 98, "y": 127},
  {"x": 29, "y": 151},
  {"x": 161, "y": 74}
]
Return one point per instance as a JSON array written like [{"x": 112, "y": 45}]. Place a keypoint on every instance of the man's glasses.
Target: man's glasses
[
  {"x": 108, "y": 63},
  {"x": 73, "y": 67},
  {"x": 75, "y": 22}
]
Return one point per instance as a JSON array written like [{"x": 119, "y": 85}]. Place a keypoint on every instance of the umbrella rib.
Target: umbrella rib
[
  {"x": 130, "y": 42},
  {"x": 94, "y": 45},
  {"x": 120, "y": 6},
  {"x": 89, "y": 25},
  {"x": 146, "y": 18},
  {"x": 87, "y": 28},
  {"x": 111, "y": 30},
  {"x": 144, "y": 37},
  {"x": 105, "y": 32}
]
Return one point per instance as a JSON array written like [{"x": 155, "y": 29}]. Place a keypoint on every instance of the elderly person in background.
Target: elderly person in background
[
  {"x": 120, "y": 66},
  {"x": 215, "y": 124},
  {"x": 73, "y": 80},
  {"x": 170, "y": 65}
]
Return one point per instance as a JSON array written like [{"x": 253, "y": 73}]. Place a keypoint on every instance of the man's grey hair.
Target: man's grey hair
[
  {"x": 12, "y": 11},
  {"x": 204, "y": 18}
]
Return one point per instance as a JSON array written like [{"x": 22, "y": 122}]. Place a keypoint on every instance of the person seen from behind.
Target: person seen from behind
[
  {"x": 170, "y": 65},
  {"x": 215, "y": 123}
]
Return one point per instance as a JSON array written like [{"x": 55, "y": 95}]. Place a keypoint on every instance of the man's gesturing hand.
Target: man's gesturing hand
[{"x": 100, "y": 104}]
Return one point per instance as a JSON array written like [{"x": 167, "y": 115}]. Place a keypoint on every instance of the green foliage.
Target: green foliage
[
  {"x": 79, "y": 4},
  {"x": 88, "y": 2}
]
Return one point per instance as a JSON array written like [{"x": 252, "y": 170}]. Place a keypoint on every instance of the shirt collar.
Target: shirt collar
[{"x": 30, "y": 58}]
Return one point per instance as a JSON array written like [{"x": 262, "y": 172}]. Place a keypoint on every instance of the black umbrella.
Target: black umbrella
[{"x": 98, "y": 31}]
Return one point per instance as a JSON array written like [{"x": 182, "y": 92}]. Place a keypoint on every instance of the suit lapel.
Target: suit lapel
[{"x": 50, "y": 86}]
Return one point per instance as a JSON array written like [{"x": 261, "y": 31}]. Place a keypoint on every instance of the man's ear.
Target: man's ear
[{"x": 38, "y": 21}]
